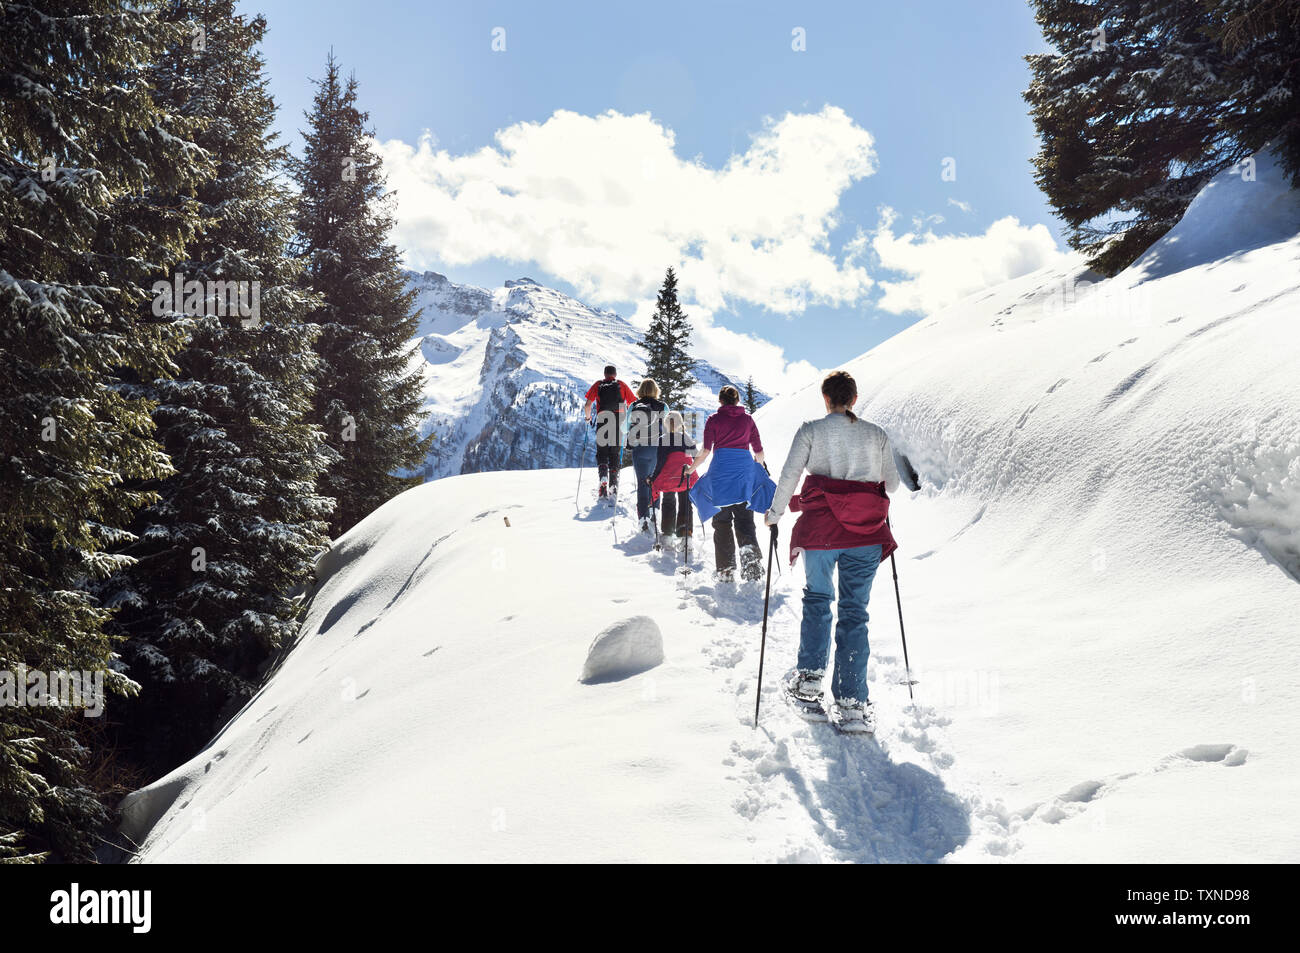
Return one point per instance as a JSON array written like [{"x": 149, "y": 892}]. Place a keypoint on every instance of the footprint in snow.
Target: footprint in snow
[
  {"x": 1229, "y": 755},
  {"x": 1065, "y": 805},
  {"x": 1072, "y": 801},
  {"x": 1082, "y": 793}
]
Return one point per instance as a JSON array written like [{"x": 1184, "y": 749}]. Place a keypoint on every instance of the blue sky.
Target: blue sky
[{"x": 908, "y": 85}]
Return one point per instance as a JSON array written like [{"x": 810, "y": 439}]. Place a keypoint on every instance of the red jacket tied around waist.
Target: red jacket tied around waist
[
  {"x": 840, "y": 514},
  {"x": 670, "y": 479}
]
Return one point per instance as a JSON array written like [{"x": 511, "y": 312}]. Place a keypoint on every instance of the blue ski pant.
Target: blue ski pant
[
  {"x": 644, "y": 461},
  {"x": 857, "y": 570}
]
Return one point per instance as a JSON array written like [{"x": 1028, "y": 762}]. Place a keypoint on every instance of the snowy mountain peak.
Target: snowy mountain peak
[{"x": 506, "y": 371}]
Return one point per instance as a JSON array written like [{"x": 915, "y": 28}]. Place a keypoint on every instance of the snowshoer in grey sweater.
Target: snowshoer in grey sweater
[{"x": 838, "y": 447}]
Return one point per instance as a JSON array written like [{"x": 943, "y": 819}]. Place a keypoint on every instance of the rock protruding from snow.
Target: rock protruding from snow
[{"x": 626, "y": 648}]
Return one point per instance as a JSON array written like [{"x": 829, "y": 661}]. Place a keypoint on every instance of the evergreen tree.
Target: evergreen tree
[
  {"x": 83, "y": 149},
  {"x": 667, "y": 345},
  {"x": 1143, "y": 101},
  {"x": 368, "y": 398},
  {"x": 239, "y": 522},
  {"x": 751, "y": 401},
  {"x": 1261, "y": 38}
]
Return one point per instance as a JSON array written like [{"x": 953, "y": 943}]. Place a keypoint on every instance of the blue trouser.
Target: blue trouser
[
  {"x": 857, "y": 570},
  {"x": 644, "y": 461}
]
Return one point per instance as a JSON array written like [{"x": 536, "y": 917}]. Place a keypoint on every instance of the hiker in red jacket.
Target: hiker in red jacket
[
  {"x": 611, "y": 397},
  {"x": 843, "y": 511}
]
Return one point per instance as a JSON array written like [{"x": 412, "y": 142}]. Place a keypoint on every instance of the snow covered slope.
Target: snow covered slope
[
  {"x": 1101, "y": 580},
  {"x": 506, "y": 370}
]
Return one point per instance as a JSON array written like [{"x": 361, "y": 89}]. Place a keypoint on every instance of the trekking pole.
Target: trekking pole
[
  {"x": 582, "y": 455},
  {"x": 762, "y": 649},
  {"x": 769, "y": 473},
  {"x": 893, "y": 563}
]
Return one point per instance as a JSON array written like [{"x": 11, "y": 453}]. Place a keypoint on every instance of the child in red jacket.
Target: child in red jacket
[{"x": 669, "y": 480}]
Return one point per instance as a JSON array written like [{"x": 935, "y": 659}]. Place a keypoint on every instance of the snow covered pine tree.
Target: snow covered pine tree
[
  {"x": 83, "y": 148},
  {"x": 667, "y": 345},
  {"x": 240, "y": 522},
  {"x": 367, "y": 397}
]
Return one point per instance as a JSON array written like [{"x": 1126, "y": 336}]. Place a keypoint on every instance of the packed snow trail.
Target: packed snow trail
[{"x": 808, "y": 793}]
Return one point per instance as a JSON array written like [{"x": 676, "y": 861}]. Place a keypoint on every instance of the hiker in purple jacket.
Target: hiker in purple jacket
[{"x": 729, "y": 436}]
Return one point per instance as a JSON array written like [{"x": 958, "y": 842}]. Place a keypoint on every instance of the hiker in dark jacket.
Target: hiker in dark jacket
[
  {"x": 842, "y": 527},
  {"x": 735, "y": 486},
  {"x": 644, "y": 423},
  {"x": 610, "y": 397},
  {"x": 669, "y": 482}
]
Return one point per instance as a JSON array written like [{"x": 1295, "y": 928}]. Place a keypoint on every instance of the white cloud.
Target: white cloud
[
  {"x": 606, "y": 203},
  {"x": 942, "y": 269}
]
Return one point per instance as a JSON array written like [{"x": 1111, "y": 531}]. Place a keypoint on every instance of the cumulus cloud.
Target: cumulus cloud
[
  {"x": 939, "y": 270},
  {"x": 605, "y": 202}
]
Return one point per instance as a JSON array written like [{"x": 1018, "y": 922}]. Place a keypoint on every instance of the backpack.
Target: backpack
[
  {"x": 608, "y": 396},
  {"x": 643, "y": 423}
]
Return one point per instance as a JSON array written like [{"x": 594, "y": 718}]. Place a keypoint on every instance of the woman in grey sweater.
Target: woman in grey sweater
[{"x": 843, "y": 523}]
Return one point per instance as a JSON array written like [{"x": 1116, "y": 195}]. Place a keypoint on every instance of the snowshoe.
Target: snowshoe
[
  {"x": 751, "y": 564},
  {"x": 604, "y": 490},
  {"x": 646, "y": 527},
  {"x": 854, "y": 717},
  {"x": 803, "y": 690},
  {"x": 725, "y": 575}
]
